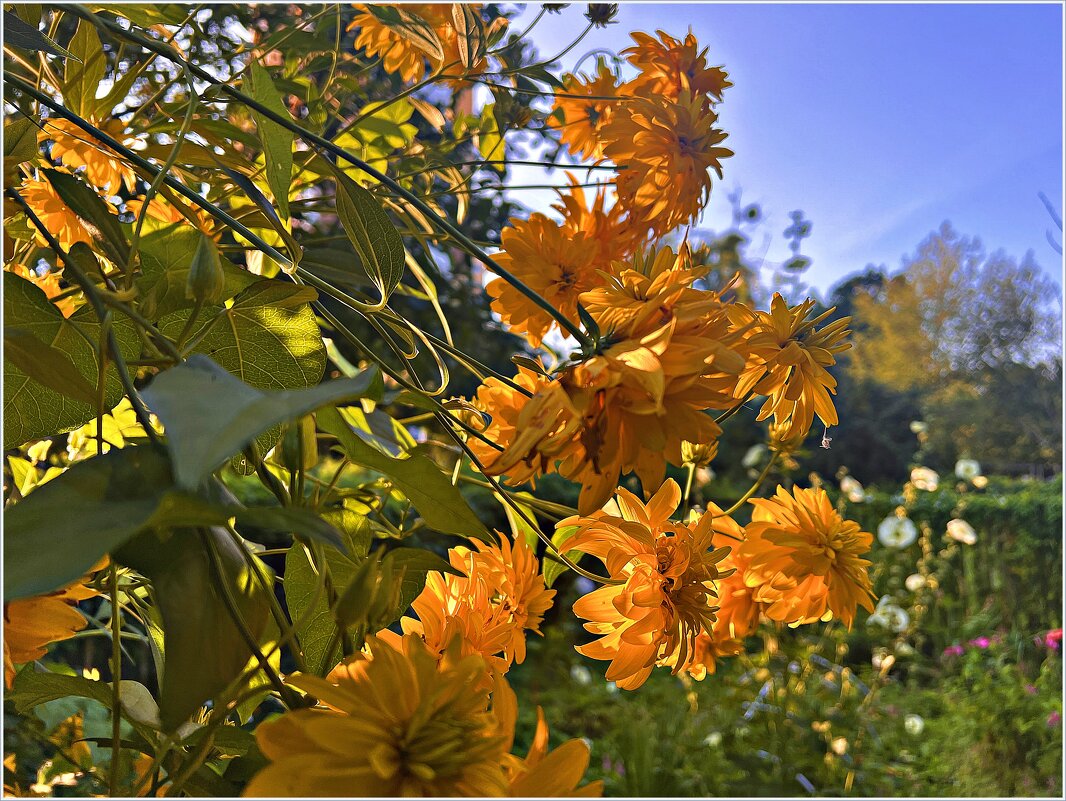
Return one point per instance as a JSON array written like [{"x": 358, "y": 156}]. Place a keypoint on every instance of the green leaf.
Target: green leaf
[
  {"x": 47, "y": 365},
  {"x": 209, "y": 415},
  {"x": 293, "y": 520},
  {"x": 415, "y": 564},
  {"x": 519, "y": 526},
  {"x": 268, "y": 337},
  {"x": 490, "y": 141},
  {"x": 27, "y": 37},
  {"x": 166, "y": 255},
  {"x": 439, "y": 501},
  {"x": 310, "y": 612},
  {"x": 96, "y": 215},
  {"x": 411, "y": 27},
  {"x": 372, "y": 234},
  {"x": 277, "y": 140},
  {"x": 83, "y": 74},
  {"x": 471, "y": 34},
  {"x": 204, "y": 648},
  {"x": 31, "y": 409},
  {"x": 20, "y": 141},
  {"x": 553, "y": 568},
  {"x": 147, "y": 14}
]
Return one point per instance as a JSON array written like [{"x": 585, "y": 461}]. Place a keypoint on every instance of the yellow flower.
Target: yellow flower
[
  {"x": 554, "y": 774},
  {"x": 47, "y": 283},
  {"x": 578, "y": 118},
  {"x": 665, "y": 150},
  {"x": 609, "y": 228},
  {"x": 788, "y": 364},
  {"x": 75, "y": 148},
  {"x": 504, "y": 404},
  {"x": 555, "y": 263},
  {"x": 392, "y": 722},
  {"x": 669, "y": 575},
  {"x": 805, "y": 560},
  {"x": 670, "y": 67},
  {"x": 54, "y": 214},
  {"x": 31, "y": 624}
]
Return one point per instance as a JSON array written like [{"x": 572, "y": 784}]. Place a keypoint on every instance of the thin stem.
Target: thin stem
[
  {"x": 116, "y": 684},
  {"x": 754, "y": 488}
]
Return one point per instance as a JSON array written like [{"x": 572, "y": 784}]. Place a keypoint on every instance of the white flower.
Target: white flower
[
  {"x": 839, "y": 745},
  {"x": 904, "y": 649},
  {"x": 967, "y": 469},
  {"x": 852, "y": 489},
  {"x": 895, "y": 618},
  {"x": 914, "y": 724},
  {"x": 897, "y": 532},
  {"x": 961, "y": 531},
  {"x": 612, "y": 688},
  {"x": 754, "y": 456},
  {"x": 925, "y": 479},
  {"x": 918, "y": 427},
  {"x": 914, "y": 582},
  {"x": 713, "y": 740},
  {"x": 581, "y": 674}
]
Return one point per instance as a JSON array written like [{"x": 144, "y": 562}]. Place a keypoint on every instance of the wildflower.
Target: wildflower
[
  {"x": 608, "y": 228},
  {"x": 670, "y": 67},
  {"x": 980, "y": 642},
  {"x": 914, "y": 724},
  {"x": 555, "y": 774},
  {"x": 601, "y": 14},
  {"x": 890, "y": 616},
  {"x": 852, "y": 489},
  {"x": 665, "y": 150},
  {"x": 580, "y": 113},
  {"x": 556, "y": 264},
  {"x": 924, "y": 478},
  {"x": 669, "y": 577},
  {"x": 391, "y": 722},
  {"x": 967, "y": 469},
  {"x": 953, "y": 650},
  {"x": 914, "y": 582},
  {"x": 918, "y": 427},
  {"x": 47, "y": 283},
  {"x": 1054, "y": 719},
  {"x": 897, "y": 531},
  {"x": 31, "y": 624},
  {"x": 979, "y": 482},
  {"x": 75, "y": 148},
  {"x": 581, "y": 675},
  {"x": 961, "y": 531},
  {"x": 1053, "y": 639},
  {"x": 805, "y": 559},
  {"x": 789, "y": 362},
  {"x": 698, "y": 455},
  {"x": 56, "y": 216}
]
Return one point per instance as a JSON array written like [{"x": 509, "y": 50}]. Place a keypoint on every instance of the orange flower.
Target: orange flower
[
  {"x": 665, "y": 150},
  {"x": 555, "y": 263},
  {"x": 554, "y": 774},
  {"x": 789, "y": 363},
  {"x": 668, "y": 575},
  {"x": 47, "y": 283},
  {"x": 504, "y": 404},
  {"x": 75, "y": 148},
  {"x": 31, "y": 624},
  {"x": 609, "y": 228},
  {"x": 579, "y": 118},
  {"x": 54, "y": 214},
  {"x": 805, "y": 560},
  {"x": 670, "y": 67},
  {"x": 500, "y": 594},
  {"x": 394, "y": 721}
]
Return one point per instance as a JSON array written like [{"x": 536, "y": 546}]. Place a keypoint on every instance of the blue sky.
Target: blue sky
[{"x": 878, "y": 121}]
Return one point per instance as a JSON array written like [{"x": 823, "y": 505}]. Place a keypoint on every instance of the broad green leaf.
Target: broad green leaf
[
  {"x": 95, "y": 215},
  {"x": 490, "y": 141},
  {"x": 20, "y": 141},
  {"x": 372, "y": 234},
  {"x": 61, "y": 529},
  {"x": 166, "y": 255},
  {"x": 310, "y": 612},
  {"x": 204, "y": 648},
  {"x": 24, "y": 36},
  {"x": 147, "y": 14},
  {"x": 471, "y": 34},
  {"x": 411, "y": 27},
  {"x": 519, "y": 526},
  {"x": 277, "y": 140},
  {"x": 439, "y": 501},
  {"x": 82, "y": 77},
  {"x": 33, "y": 410},
  {"x": 209, "y": 415},
  {"x": 268, "y": 337},
  {"x": 47, "y": 365},
  {"x": 553, "y": 568},
  {"x": 293, "y": 520}
]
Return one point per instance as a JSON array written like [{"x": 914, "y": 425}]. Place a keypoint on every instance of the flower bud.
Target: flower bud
[{"x": 206, "y": 280}]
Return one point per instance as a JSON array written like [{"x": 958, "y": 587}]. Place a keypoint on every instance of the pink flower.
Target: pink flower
[
  {"x": 980, "y": 642},
  {"x": 954, "y": 650},
  {"x": 1030, "y": 689},
  {"x": 1054, "y": 719},
  {"x": 1053, "y": 639}
]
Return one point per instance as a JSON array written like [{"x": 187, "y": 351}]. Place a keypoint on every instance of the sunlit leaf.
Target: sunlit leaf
[
  {"x": 48, "y": 365},
  {"x": 277, "y": 140},
  {"x": 24, "y": 36},
  {"x": 83, "y": 74}
]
